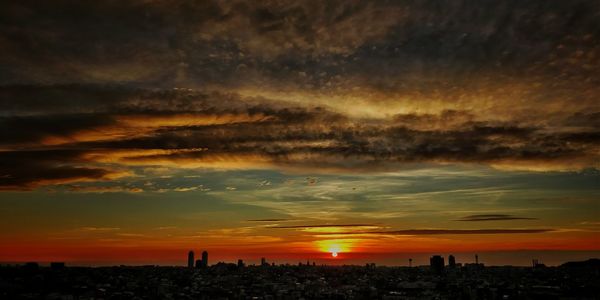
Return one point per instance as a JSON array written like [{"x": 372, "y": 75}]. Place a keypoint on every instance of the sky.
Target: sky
[{"x": 134, "y": 131}]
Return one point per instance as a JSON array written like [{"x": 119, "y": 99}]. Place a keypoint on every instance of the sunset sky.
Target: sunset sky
[{"x": 134, "y": 131}]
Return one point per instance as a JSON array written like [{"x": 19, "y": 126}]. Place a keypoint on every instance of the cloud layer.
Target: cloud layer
[
  {"x": 90, "y": 90},
  {"x": 191, "y": 129},
  {"x": 492, "y": 217},
  {"x": 445, "y": 232}
]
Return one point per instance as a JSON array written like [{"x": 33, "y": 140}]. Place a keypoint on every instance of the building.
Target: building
[
  {"x": 57, "y": 265},
  {"x": 437, "y": 264},
  {"x": 204, "y": 258},
  {"x": 538, "y": 264},
  {"x": 240, "y": 263},
  {"x": 199, "y": 263},
  {"x": 31, "y": 266},
  {"x": 190, "y": 263},
  {"x": 451, "y": 261},
  {"x": 263, "y": 262}
]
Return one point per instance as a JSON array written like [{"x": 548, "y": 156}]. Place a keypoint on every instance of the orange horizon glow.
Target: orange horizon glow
[{"x": 331, "y": 251}]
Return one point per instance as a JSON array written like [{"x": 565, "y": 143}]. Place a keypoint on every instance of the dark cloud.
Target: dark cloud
[
  {"x": 322, "y": 86},
  {"x": 492, "y": 217},
  {"x": 270, "y": 220},
  {"x": 447, "y": 231},
  {"x": 25, "y": 170},
  {"x": 584, "y": 119},
  {"x": 25, "y": 129},
  {"x": 323, "y": 226},
  {"x": 385, "y": 45},
  {"x": 195, "y": 127}
]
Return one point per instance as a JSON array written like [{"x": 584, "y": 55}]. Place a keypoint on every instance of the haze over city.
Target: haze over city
[{"x": 335, "y": 132}]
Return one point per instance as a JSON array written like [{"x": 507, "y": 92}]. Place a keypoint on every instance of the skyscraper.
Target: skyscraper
[
  {"x": 437, "y": 264},
  {"x": 190, "y": 263},
  {"x": 263, "y": 262},
  {"x": 204, "y": 258},
  {"x": 451, "y": 261}
]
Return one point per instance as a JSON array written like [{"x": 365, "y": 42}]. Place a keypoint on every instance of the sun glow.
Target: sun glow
[{"x": 335, "y": 247}]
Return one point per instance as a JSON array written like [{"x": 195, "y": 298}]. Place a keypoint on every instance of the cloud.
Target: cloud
[
  {"x": 99, "y": 228},
  {"x": 492, "y": 217},
  {"x": 323, "y": 226},
  {"x": 25, "y": 170},
  {"x": 298, "y": 86},
  {"x": 163, "y": 41},
  {"x": 166, "y": 228},
  {"x": 264, "y": 183},
  {"x": 103, "y": 189},
  {"x": 135, "y": 129},
  {"x": 445, "y": 232},
  {"x": 270, "y": 220}
]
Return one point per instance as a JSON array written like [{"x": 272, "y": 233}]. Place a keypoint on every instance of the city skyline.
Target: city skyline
[{"x": 340, "y": 132}]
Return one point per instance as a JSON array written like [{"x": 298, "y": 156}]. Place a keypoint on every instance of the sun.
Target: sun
[{"x": 334, "y": 247}]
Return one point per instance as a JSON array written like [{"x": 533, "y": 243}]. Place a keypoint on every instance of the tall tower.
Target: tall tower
[
  {"x": 204, "y": 259},
  {"x": 451, "y": 261},
  {"x": 190, "y": 259},
  {"x": 410, "y": 262},
  {"x": 476, "y": 259},
  {"x": 437, "y": 264}
]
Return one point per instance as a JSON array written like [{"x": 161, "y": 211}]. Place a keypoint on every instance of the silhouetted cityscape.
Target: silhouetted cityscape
[{"x": 200, "y": 280}]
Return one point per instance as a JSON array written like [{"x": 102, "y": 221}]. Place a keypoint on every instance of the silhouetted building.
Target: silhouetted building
[
  {"x": 410, "y": 262},
  {"x": 31, "y": 266},
  {"x": 575, "y": 280},
  {"x": 451, "y": 261},
  {"x": 538, "y": 264},
  {"x": 199, "y": 263},
  {"x": 57, "y": 265},
  {"x": 204, "y": 258},
  {"x": 240, "y": 263},
  {"x": 437, "y": 264},
  {"x": 476, "y": 259},
  {"x": 190, "y": 263},
  {"x": 263, "y": 262}
]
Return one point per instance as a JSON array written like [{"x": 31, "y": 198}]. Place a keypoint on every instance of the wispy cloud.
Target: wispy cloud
[
  {"x": 99, "y": 228},
  {"x": 492, "y": 217},
  {"x": 324, "y": 226},
  {"x": 445, "y": 231},
  {"x": 166, "y": 227},
  {"x": 269, "y": 220},
  {"x": 103, "y": 189}
]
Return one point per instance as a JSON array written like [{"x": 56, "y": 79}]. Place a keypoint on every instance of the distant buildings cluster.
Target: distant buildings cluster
[
  {"x": 200, "y": 263},
  {"x": 575, "y": 280},
  {"x": 436, "y": 263}
]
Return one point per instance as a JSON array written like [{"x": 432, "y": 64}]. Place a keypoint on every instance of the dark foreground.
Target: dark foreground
[{"x": 226, "y": 281}]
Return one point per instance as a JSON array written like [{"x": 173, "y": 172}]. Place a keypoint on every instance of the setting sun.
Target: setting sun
[{"x": 335, "y": 247}]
